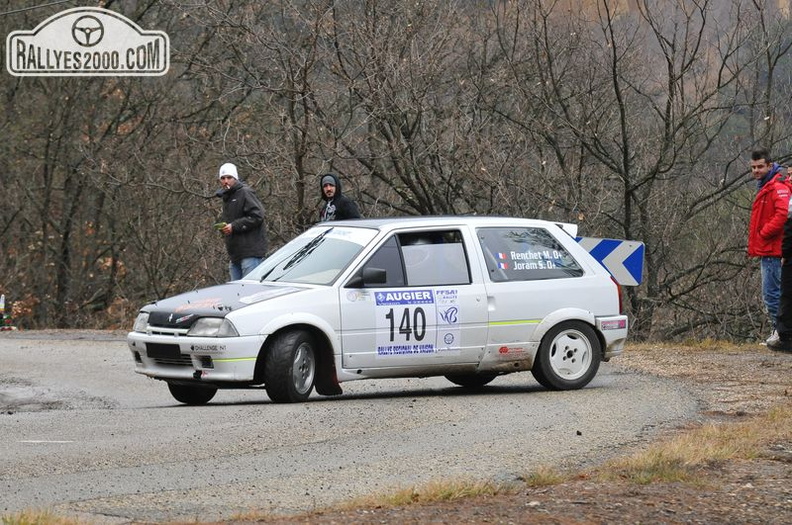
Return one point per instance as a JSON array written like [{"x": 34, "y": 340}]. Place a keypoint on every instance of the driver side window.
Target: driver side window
[
  {"x": 389, "y": 259},
  {"x": 430, "y": 258}
]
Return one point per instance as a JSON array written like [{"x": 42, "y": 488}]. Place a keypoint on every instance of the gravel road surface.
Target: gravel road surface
[{"x": 82, "y": 434}]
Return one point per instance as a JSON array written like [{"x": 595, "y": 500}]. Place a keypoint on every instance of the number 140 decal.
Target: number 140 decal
[{"x": 411, "y": 324}]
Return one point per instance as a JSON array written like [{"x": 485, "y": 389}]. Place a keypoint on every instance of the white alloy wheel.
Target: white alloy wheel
[
  {"x": 568, "y": 357},
  {"x": 570, "y": 354}
]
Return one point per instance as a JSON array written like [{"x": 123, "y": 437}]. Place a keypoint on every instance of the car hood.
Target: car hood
[{"x": 181, "y": 311}]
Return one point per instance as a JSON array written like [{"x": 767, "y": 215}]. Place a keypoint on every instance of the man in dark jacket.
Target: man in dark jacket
[
  {"x": 242, "y": 223},
  {"x": 784, "y": 321},
  {"x": 337, "y": 207}
]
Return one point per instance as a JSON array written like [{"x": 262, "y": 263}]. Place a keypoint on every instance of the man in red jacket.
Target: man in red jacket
[{"x": 765, "y": 230}]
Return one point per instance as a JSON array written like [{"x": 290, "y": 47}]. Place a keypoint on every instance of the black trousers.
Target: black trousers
[{"x": 784, "y": 319}]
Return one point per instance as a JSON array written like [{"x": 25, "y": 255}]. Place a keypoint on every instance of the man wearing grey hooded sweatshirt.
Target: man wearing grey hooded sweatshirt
[{"x": 337, "y": 207}]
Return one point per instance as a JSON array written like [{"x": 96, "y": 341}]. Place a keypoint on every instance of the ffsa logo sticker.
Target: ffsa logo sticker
[{"x": 87, "y": 41}]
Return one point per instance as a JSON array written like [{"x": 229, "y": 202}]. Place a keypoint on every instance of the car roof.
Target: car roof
[{"x": 428, "y": 221}]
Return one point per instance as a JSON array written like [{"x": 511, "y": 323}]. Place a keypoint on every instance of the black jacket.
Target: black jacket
[
  {"x": 244, "y": 211},
  {"x": 338, "y": 208},
  {"x": 786, "y": 243}
]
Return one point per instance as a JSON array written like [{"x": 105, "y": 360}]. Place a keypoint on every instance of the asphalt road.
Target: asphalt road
[{"x": 82, "y": 434}]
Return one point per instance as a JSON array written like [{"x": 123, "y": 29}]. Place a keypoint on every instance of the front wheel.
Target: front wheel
[
  {"x": 192, "y": 394},
  {"x": 568, "y": 357},
  {"x": 290, "y": 367}
]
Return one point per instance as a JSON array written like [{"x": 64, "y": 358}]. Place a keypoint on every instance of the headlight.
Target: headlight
[
  {"x": 141, "y": 322},
  {"x": 213, "y": 327}
]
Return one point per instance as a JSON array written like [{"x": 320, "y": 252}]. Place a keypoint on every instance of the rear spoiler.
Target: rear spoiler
[{"x": 568, "y": 227}]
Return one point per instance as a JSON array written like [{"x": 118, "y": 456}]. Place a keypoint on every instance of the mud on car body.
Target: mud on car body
[{"x": 468, "y": 298}]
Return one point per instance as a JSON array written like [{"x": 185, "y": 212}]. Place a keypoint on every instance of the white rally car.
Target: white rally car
[{"x": 468, "y": 298}]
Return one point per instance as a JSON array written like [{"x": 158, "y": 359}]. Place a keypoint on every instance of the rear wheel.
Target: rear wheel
[
  {"x": 192, "y": 394},
  {"x": 568, "y": 357},
  {"x": 471, "y": 380},
  {"x": 290, "y": 367}
]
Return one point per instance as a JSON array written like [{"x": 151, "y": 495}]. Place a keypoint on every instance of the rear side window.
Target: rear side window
[{"x": 525, "y": 254}]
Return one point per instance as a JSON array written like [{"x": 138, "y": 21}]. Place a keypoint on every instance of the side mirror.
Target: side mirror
[{"x": 367, "y": 277}]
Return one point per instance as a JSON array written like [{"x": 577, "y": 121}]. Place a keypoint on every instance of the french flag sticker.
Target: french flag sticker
[
  {"x": 503, "y": 266},
  {"x": 501, "y": 255}
]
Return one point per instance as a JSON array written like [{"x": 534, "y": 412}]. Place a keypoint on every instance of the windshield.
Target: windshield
[{"x": 317, "y": 256}]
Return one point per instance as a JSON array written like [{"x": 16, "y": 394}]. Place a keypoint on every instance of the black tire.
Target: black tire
[
  {"x": 192, "y": 394},
  {"x": 568, "y": 357},
  {"x": 290, "y": 367},
  {"x": 471, "y": 380}
]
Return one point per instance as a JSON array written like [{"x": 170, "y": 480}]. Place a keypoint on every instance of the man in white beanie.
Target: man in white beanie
[{"x": 242, "y": 223}]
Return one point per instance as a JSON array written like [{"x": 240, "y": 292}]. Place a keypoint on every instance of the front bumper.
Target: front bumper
[{"x": 174, "y": 356}]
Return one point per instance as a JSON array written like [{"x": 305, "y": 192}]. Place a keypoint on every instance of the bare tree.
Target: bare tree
[
  {"x": 631, "y": 119},
  {"x": 632, "y": 105}
]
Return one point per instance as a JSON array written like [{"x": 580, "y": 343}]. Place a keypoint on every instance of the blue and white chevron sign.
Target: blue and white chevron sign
[{"x": 623, "y": 259}]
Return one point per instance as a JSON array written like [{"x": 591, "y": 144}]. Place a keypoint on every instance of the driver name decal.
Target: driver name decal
[{"x": 531, "y": 260}]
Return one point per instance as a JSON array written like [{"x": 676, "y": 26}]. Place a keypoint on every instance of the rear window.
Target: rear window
[{"x": 525, "y": 254}]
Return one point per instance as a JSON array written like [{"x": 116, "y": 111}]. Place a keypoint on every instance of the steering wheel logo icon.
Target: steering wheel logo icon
[{"x": 87, "y": 31}]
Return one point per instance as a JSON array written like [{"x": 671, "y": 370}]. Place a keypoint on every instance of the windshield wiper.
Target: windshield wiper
[
  {"x": 306, "y": 250},
  {"x": 296, "y": 256}
]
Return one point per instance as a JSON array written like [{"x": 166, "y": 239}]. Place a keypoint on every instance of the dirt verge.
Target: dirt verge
[{"x": 732, "y": 382}]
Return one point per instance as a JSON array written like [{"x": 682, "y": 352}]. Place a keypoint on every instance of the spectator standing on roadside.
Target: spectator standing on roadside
[
  {"x": 242, "y": 223},
  {"x": 784, "y": 321},
  {"x": 337, "y": 207},
  {"x": 765, "y": 230}
]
